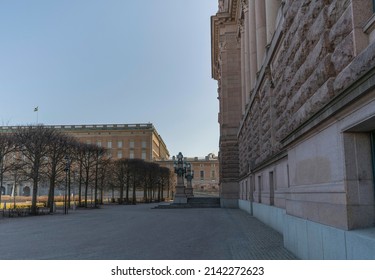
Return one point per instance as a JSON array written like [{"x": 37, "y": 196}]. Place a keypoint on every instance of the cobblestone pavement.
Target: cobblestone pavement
[{"x": 141, "y": 233}]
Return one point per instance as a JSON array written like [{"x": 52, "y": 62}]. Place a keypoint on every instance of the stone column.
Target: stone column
[
  {"x": 260, "y": 18},
  {"x": 272, "y": 8},
  {"x": 252, "y": 43}
]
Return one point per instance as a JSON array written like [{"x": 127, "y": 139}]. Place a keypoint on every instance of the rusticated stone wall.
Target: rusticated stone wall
[
  {"x": 309, "y": 66},
  {"x": 230, "y": 113}
]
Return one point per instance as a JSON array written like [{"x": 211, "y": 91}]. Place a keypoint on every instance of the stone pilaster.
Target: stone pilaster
[
  {"x": 272, "y": 8},
  {"x": 230, "y": 111},
  {"x": 260, "y": 19},
  {"x": 247, "y": 51},
  {"x": 252, "y": 43}
]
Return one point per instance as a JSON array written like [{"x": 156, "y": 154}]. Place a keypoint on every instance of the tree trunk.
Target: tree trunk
[
  {"x": 1, "y": 184},
  {"x": 80, "y": 185},
  {"x": 121, "y": 199},
  {"x": 34, "y": 198},
  {"x": 51, "y": 193},
  {"x": 134, "y": 193},
  {"x": 127, "y": 187},
  {"x": 96, "y": 184}
]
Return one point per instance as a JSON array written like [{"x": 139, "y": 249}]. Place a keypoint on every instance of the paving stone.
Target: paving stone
[{"x": 141, "y": 233}]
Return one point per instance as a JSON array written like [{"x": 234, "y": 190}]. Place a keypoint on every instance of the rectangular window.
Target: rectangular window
[
  {"x": 131, "y": 154},
  {"x": 144, "y": 155},
  {"x": 119, "y": 154},
  {"x": 119, "y": 144},
  {"x": 131, "y": 144},
  {"x": 109, "y": 144},
  {"x": 212, "y": 174},
  {"x": 99, "y": 143},
  {"x": 144, "y": 144},
  {"x": 202, "y": 174}
]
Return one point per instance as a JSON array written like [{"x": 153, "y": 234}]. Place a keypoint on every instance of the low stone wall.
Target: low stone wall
[{"x": 313, "y": 241}]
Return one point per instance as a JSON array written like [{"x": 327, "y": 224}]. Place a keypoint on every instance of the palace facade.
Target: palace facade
[
  {"x": 206, "y": 173},
  {"x": 140, "y": 141},
  {"x": 296, "y": 89}
]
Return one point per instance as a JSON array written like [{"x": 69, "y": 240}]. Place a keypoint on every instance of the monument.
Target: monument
[{"x": 180, "y": 169}]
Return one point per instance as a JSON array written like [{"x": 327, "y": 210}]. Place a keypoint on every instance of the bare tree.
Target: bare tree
[
  {"x": 79, "y": 154},
  {"x": 99, "y": 154},
  {"x": 104, "y": 176},
  {"x": 7, "y": 148},
  {"x": 88, "y": 163},
  {"x": 16, "y": 165},
  {"x": 164, "y": 174},
  {"x": 137, "y": 175},
  {"x": 120, "y": 178},
  {"x": 59, "y": 148},
  {"x": 33, "y": 145}
]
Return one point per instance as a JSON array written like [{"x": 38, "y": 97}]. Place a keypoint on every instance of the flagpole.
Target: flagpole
[{"x": 36, "y": 109}]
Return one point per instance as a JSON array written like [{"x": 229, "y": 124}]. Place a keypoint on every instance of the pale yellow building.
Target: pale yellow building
[{"x": 141, "y": 141}]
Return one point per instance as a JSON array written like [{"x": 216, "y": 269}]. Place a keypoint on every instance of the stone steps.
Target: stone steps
[
  {"x": 194, "y": 202},
  {"x": 204, "y": 201}
]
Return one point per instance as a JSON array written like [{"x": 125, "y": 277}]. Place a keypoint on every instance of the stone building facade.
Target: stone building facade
[
  {"x": 206, "y": 173},
  {"x": 296, "y": 90},
  {"x": 141, "y": 141}
]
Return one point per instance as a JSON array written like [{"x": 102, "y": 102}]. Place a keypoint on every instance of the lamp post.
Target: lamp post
[
  {"x": 180, "y": 170},
  {"x": 189, "y": 177},
  {"x": 67, "y": 186}
]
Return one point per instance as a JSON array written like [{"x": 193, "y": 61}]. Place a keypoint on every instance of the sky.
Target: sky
[{"x": 111, "y": 62}]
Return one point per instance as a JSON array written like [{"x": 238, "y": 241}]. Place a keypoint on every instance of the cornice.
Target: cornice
[
  {"x": 230, "y": 12},
  {"x": 214, "y": 45}
]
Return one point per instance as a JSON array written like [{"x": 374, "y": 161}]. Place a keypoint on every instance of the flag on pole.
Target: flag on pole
[{"x": 36, "y": 109}]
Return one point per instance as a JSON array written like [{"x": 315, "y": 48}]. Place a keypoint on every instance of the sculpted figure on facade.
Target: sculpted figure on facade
[
  {"x": 244, "y": 5},
  {"x": 223, "y": 6}
]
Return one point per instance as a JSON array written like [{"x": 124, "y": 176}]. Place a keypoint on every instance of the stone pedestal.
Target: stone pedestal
[
  {"x": 189, "y": 190},
  {"x": 180, "y": 196}
]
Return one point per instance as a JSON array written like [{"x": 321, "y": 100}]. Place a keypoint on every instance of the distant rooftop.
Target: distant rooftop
[
  {"x": 91, "y": 126},
  {"x": 209, "y": 157}
]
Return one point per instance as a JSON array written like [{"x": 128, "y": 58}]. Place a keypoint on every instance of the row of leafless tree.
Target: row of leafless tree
[{"x": 41, "y": 154}]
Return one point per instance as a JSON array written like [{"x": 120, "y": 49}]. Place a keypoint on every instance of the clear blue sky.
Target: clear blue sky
[{"x": 111, "y": 61}]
